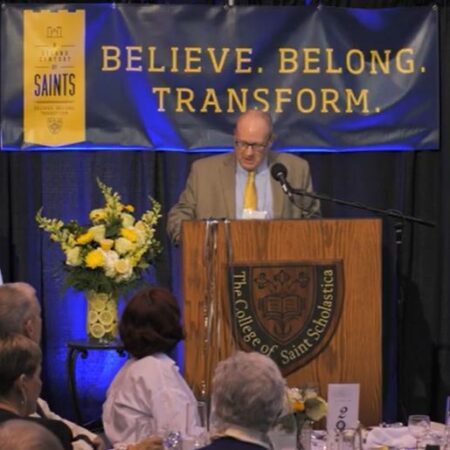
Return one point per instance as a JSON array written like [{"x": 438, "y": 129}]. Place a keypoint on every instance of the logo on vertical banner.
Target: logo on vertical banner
[{"x": 54, "y": 77}]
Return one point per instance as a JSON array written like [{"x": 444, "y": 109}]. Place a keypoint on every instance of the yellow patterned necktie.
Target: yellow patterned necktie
[{"x": 250, "y": 197}]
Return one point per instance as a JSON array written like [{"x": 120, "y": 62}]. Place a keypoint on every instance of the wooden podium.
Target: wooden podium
[{"x": 351, "y": 355}]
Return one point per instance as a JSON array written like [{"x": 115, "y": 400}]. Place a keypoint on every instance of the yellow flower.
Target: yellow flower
[
  {"x": 129, "y": 234},
  {"x": 297, "y": 406},
  {"x": 106, "y": 244},
  {"x": 85, "y": 238},
  {"x": 129, "y": 208},
  {"x": 95, "y": 258},
  {"x": 97, "y": 215}
]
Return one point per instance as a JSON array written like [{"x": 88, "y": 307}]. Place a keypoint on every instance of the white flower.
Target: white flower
[
  {"x": 141, "y": 237},
  {"x": 73, "y": 256},
  {"x": 110, "y": 261},
  {"x": 123, "y": 246},
  {"x": 97, "y": 215},
  {"x": 99, "y": 232},
  {"x": 124, "y": 269},
  {"x": 141, "y": 225},
  {"x": 127, "y": 220}
]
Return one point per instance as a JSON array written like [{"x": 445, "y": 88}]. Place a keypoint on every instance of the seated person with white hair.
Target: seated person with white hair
[
  {"x": 18, "y": 434},
  {"x": 247, "y": 399}
]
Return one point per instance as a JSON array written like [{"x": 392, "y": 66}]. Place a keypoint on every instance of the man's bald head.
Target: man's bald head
[{"x": 21, "y": 434}]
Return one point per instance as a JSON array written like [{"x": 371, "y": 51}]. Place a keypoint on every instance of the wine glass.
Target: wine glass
[
  {"x": 311, "y": 387},
  {"x": 196, "y": 434},
  {"x": 418, "y": 426},
  {"x": 202, "y": 438}
]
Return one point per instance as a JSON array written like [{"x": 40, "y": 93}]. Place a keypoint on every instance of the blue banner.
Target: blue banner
[{"x": 162, "y": 77}]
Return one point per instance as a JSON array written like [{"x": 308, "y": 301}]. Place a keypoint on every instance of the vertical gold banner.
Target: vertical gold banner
[{"x": 54, "y": 77}]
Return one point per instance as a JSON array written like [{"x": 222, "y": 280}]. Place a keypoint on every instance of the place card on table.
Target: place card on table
[{"x": 343, "y": 407}]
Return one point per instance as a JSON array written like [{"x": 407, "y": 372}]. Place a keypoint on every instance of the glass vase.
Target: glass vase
[
  {"x": 101, "y": 319},
  {"x": 304, "y": 434}
]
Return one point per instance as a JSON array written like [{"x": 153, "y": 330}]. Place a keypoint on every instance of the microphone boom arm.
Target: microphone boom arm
[{"x": 384, "y": 212}]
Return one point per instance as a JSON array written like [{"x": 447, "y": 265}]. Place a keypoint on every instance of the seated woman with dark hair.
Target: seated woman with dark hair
[
  {"x": 149, "y": 395},
  {"x": 20, "y": 385},
  {"x": 247, "y": 399}
]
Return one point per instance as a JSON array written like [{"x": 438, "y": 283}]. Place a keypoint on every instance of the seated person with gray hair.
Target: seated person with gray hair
[
  {"x": 18, "y": 434},
  {"x": 247, "y": 399}
]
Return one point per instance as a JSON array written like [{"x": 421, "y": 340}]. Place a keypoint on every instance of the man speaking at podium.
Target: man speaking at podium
[{"x": 239, "y": 185}]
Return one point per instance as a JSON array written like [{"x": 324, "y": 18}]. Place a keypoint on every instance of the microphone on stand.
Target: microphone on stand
[{"x": 279, "y": 173}]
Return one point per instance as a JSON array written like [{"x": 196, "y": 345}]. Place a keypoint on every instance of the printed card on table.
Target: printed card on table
[{"x": 343, "y": 406}]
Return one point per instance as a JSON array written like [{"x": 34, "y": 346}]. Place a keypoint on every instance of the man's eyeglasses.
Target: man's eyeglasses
[{"x": 244, "y": 145}]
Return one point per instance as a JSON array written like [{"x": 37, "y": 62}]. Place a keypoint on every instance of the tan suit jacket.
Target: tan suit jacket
[{"x": 210, "y": 191}]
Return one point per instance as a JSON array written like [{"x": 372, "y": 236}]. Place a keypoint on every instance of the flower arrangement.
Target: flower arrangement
[
  {"x": 302, "y": 405},
  {"x": 110, "y": 254},
  {"x": 306, "y": 404}
]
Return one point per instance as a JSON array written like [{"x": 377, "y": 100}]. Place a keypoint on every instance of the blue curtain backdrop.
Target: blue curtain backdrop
[{"x": 416, "y": 338}]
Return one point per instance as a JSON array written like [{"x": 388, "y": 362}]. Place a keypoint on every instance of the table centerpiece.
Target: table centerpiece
[{"x": 303, "y": 407}]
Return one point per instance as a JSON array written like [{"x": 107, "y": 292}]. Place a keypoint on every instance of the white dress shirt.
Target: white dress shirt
[{"x": 148, "y": 396}]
